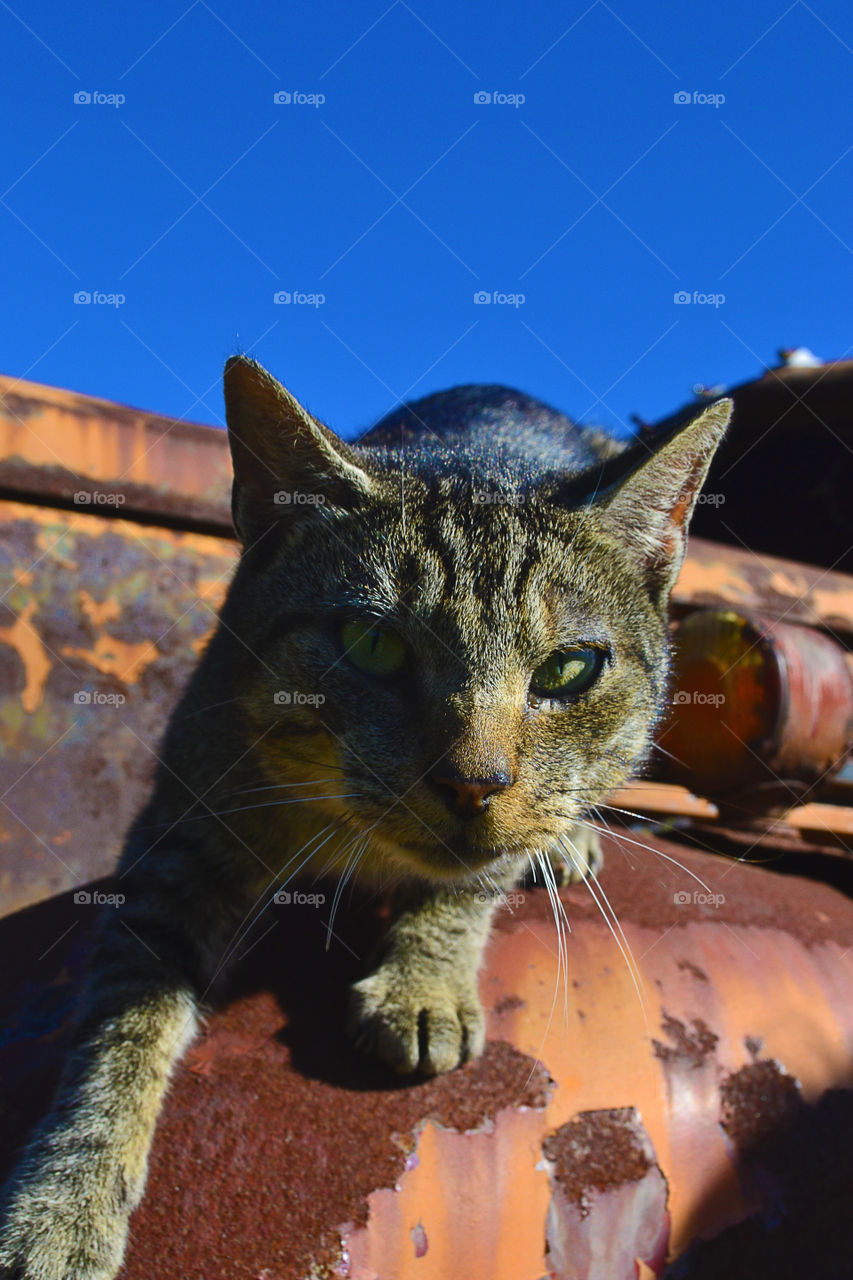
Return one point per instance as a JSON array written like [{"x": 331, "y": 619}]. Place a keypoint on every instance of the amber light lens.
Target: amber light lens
[{"x": 725, "y": 703}]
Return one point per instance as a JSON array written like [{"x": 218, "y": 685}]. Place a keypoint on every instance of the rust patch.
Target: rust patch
[
  {"x": 757, "y": 1102},
  {"x": 106, "y": 615},
  {"x": 608, "y": 1206},
  {"x": 688, "y": 1047},
  {"x": 596, "y": 1151},
  {"x": 688, "y": 967},
  {"x": 271, "y": 1112},
  {"x": 793, "y": 1162},
  {"x": 508, "y": 1004}
]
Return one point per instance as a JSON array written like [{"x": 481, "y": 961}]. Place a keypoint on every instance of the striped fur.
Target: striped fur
[{"x": 487, "y": 531}]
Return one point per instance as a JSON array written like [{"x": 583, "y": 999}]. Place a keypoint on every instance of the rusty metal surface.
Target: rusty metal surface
[
  {"x": 55, "y": 443},
  {"x": 56, "y": 446},
  {"x": 694, "y": 1118},
  {"x": 100, "y": 623},
  {"x": 716, "y": 576},
  {"x": 94, "y": 601},
  {"x": 761, "y": 711}
]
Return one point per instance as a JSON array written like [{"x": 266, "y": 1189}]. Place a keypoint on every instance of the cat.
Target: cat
[{"x": 441, "y": 647}]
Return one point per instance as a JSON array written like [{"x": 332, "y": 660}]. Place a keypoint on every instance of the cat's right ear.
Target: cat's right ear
[{"x": 286, "y": 463}]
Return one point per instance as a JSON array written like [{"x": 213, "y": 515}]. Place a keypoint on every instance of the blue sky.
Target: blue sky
[{"x": 581, "y": 198}]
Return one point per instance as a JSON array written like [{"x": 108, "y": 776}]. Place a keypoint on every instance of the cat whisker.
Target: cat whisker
[
  {"x": 272, "y": 889},
  {"x": 348, "y": 871},
  {"x": 273, "y": 786},
  {"x": 538, "y": 858},
  {"x": 649, "y": 848},
  {"x": 213, "y": 706},
  {"x": 590, "y": 879},
  {"x": 656, "y": 746},
  {"x": 272, "y": 804},
  {"x": 563, "y": 929},
  {"x": 220, "y": 813}
]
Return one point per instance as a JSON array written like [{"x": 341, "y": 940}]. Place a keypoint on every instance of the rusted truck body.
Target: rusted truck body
[{"x": 671, "y": 1093}]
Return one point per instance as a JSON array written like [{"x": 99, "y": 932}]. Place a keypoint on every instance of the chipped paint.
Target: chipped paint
[
  {"x": 92, "y": 606},
  {"x": 21, "y": 636},
  {"x": 487, "y": 1185},
  {"x": 608, "y": 1205},
  {"x": 280, "y": 1149},
  {"x": 99, "y": 612},
  {"x": 116, "y": 657}
]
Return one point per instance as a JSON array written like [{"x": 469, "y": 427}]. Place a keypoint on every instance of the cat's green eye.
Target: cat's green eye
[
  {"x": 567, "y": 671},
  {"x": 372, "y": 648}
]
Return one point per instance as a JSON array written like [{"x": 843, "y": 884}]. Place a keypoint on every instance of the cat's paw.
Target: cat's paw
[
  {"x": 49, "y": 1232},
  {"x": 416, "y": 1021},
  {"x": 582, "y": 856}
]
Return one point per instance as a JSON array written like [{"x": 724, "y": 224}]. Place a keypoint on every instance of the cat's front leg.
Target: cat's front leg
[
  {"x": 65, "y": 1212},
  {"x": 420, "y": 1009}
]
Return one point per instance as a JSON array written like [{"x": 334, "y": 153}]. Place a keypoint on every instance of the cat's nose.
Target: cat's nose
[{"x": 468, "y": 796}]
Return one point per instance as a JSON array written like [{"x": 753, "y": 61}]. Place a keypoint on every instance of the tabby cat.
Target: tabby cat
[{"x": 441, "y": 647}]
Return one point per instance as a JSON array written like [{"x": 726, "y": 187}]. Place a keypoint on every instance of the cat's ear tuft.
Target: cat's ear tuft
[
  {"x": 286, "y": 463},
  {"x": 649, "y": 511}
]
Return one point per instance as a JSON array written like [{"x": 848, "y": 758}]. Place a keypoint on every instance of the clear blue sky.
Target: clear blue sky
[{"x": 399, "y": 197}]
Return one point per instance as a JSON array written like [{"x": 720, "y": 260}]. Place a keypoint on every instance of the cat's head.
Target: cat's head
[{"x": 477, "y": 656}]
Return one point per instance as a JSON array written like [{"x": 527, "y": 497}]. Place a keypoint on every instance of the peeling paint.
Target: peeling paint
[
  {"x": 117, "y": 658},
  {"x": 101, "y": 607},
  {"x": 608, "y": 1205},
  {"x": 26, "y": 642}
]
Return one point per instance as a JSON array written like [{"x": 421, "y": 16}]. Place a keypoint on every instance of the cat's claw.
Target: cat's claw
[{"x": 415, "y": 1021}]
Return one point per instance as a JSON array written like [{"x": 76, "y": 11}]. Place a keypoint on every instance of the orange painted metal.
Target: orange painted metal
[
  {"x": 101, "y": 621},
  {"x": 761, "y": 711},
  {"x": 676, "y": 1085},
  {"x": 620, "y": 1103},
  {"x": 113, "y": 598},
  {"x": 55, "y": 445}
]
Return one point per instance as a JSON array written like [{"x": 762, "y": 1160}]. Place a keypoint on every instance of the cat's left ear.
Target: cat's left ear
[
  {"x": 649, "y": 511},
  {"x": 286, "y": 463}
]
